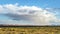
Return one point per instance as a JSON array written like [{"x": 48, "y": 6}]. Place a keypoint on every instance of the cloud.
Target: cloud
[{"x": 32, "y": 14}]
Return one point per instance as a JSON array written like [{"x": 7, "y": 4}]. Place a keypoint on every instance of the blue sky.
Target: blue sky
[
  {"x": 39, "y": 3},
  {"x": 16, "y": 10}
]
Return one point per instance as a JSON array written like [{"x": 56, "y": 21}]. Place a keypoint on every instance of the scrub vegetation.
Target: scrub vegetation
[{"x": 30, "y": 30}]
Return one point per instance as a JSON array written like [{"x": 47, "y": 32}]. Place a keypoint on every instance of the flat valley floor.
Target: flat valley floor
[{"x": 30, "y": 30}]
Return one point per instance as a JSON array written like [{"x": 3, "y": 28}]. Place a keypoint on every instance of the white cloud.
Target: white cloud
[
  {"x": 1, "y": 8},
  {"x": 28, "y": 13}
]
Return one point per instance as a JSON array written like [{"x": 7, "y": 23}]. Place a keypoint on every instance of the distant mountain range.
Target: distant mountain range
[{"x": 6, "y": 25}]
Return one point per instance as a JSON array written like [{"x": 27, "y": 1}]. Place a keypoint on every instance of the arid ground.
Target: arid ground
[{"x": 30, "y": 30}]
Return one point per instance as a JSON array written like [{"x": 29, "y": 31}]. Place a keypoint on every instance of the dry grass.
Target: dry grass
[{"x": 29, "y": 30}]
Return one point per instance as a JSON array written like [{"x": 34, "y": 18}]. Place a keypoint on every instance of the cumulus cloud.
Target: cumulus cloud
[{"x": 32, "y": 14}]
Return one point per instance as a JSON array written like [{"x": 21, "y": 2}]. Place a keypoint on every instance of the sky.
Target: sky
[
  {"x": 39, "y": 3},
  {"x": 30, "y": 12}
]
